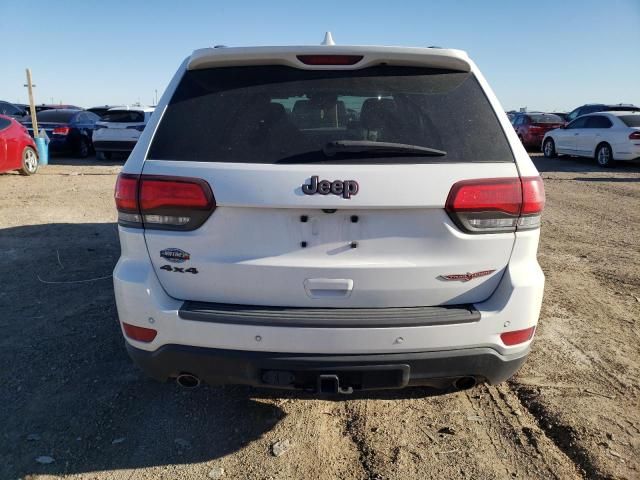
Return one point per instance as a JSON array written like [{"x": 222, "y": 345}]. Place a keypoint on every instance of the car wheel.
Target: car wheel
[
  {"x": 84, "y": 149},
  {"x": 549, "y": 148},
  {"x": 102, "y": 155},
  {"x": 604, "y": 155},
  {"x": 29, "y": 161}
]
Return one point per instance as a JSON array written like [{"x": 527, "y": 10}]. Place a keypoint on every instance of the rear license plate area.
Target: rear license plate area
[{"x": 339, "y": 379}]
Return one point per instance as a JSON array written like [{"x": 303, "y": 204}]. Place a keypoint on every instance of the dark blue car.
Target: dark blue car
[{"x": 69, "y": 131}]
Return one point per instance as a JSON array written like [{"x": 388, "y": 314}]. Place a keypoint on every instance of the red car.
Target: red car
[
  {"x": 531, "y": 127},
  {"x": 17, "y": 148}
]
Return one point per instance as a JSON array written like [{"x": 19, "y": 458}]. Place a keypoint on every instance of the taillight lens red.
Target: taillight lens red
[
  {"x": 635, "y": 136},
  {"x": 126, "y": 194},
  {"x": 174, "y": 193},
  {"x": 496, "y": 205},
  {"x": 517, "y": 336},
  {"x": 330, "y": 59},
  {"x": 61, "y": 131},
  {"x": 141, "y": 334},
  {"x": 152, "y": 201}
]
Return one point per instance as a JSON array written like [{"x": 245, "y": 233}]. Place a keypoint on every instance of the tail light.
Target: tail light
[
  {"x": 140, "y": 334},
  {"x": 517, "y": 336},
  {"x": 158, "y": 202},
  {"x": 635, "y": 135},
  {"x": 496, "y": 205},
  {"x": 330, "y": 59},
  {"x": 61, "y": 131},
  {"x": 98, "y": 126}
]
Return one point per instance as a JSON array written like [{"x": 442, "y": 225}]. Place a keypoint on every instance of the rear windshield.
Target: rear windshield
[
  {"x": 277, "y": 114},
  {"x": 546, "y": 118},
  {"x": 630, "y": 120},
  {"x": 55, "y": 115},
  {"x": 123, "y": 116}
]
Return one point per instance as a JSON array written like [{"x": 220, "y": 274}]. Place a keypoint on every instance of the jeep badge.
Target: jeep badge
[{"x": 346, "y": 188}]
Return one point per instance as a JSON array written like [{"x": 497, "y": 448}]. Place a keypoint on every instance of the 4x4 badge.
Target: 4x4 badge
[
  {"x": 346, "y": 188},
  {"x": 175, "y": 255},
  {"x": 465, "y": 277}
]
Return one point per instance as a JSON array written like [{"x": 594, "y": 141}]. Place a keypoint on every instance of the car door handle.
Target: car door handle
[{"x": 328, "y": 287}]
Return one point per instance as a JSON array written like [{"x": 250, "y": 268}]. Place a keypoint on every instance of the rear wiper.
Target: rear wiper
[{"x": 382, "y": 148}]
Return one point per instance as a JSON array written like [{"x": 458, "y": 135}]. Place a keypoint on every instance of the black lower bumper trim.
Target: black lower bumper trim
[{"x": 300, "y": 371}]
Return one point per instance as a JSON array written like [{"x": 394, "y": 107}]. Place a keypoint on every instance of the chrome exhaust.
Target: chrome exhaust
[
  {"x": 187, "y": 380},
  {"x": 464, "y": 383}
]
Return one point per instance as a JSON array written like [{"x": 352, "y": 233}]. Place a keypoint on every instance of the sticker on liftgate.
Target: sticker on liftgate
[{"x": 175, "y": 255}]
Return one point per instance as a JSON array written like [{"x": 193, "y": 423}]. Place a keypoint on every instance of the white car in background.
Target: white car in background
[
  {"x": 119, "y": 130},
  {"x": 605, "y": 136}
]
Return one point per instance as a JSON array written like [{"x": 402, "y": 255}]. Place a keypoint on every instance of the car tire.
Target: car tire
[
  {"x": 29, "y": 161},
  {"x": 84, "y": 148},
  {"x": 549, "y": 148},
  {"x": 604, "y": 156},
  {"x": 102, "y": 155}
]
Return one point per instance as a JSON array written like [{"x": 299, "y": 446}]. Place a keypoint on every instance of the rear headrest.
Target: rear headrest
[{"x": 376, "y": 114}]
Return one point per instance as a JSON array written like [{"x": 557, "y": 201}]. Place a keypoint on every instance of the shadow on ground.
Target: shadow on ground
[{"x": 70, "y": 392}]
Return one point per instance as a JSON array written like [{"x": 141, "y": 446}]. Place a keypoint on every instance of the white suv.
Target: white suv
[
  {"x": 331, "y": 219},
  {"x": 119, "y": 130}
]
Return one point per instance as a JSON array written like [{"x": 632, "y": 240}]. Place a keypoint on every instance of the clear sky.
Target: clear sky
[{"x": 542, "y": 54}]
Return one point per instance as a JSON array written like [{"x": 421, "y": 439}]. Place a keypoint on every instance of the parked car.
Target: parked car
[
  {"x": 10, "y": 110},
  {"x": 562, "y": 115},
  {"x": 531, "y": 127},
  {"x": 42, "y": 107},
  {"x": 119, "y": 129},
  {"x": 605, "y": 136},
  {"x": 308, "y": 251},
  {"x": 17, "y": 148},
  {"x": 100, "y": 111},
  {"x": 69, "y": 131},
  {"x": 600, "y": 107}
]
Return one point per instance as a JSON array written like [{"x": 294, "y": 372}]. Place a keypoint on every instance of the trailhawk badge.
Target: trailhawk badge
[
  {"x": 175, "y": 255},
  {"x": 345, "y": 188},
  {"x": 465, "y": 277}
]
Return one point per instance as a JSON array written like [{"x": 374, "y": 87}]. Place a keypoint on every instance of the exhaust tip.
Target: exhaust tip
[
  {"x": 187, "y": 380},
  {"x": 464, "y": 383}
]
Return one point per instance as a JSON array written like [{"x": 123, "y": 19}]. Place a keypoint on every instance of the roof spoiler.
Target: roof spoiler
[{"x": 288, "y": 56}]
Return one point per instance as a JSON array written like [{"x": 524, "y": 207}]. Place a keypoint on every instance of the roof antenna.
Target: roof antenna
[{"x": 328, "y": 39}]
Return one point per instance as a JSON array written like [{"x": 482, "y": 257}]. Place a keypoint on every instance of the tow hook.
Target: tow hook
[{"x": 331, "y": 384}]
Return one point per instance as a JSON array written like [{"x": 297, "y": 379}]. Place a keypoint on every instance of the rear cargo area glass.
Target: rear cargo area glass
[{"x": 278, "y": 114}]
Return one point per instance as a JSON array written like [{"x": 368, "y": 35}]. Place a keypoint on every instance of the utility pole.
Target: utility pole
[
  {"x": 32, "y": 104},
  {"x": 156, "y": 97}
]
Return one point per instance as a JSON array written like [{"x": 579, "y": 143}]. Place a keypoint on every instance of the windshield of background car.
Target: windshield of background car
[
  {"x": 548, "y": 118},
  {"x": 271, "y": 114},
  {"x": 123, "y": 116},
  {"x": 630, "y": 120}
]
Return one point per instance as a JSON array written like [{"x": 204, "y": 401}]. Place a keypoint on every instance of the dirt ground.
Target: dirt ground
[{"x": 70, "y": 396}]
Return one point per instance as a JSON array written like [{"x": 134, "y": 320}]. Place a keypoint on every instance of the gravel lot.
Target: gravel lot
[{"x": 73, "y": 405}]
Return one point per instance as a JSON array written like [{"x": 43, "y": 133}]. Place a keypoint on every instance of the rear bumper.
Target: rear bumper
[
  {"x": 114, "y": 145},
  {"x": 514, "y": 305},
  {"x": 304, "y": 371}
]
